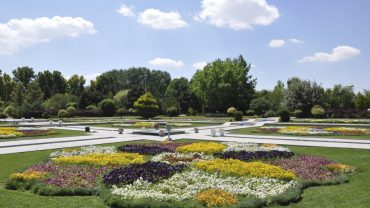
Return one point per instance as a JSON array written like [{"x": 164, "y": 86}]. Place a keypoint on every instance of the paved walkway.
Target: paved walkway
[{"x": 103, "y": 135}]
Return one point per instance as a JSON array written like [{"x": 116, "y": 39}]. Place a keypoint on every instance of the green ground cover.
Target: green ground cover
[
  {"x": 133, "y": 127},
  {"x": 57, "y": 133},
  {"x": 338, "y": 120},
  {"x": 252, "y": 131},
  {"x": 352, "y": 194}
]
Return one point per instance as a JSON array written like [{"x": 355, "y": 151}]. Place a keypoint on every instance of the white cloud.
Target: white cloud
[
  {"x": 161, "y": 20},
  {"x": 340, "y": 53},
  {"x": 21, "y": 33},
  {"x": 293, "y": 40},
  {"x": 200, "y": 65},
  {"x": 125, "y": 10},
  {"x": 275, "y": 43},
  {"x": 237, "y": 14},
  {"x": 166, "y": 62}
]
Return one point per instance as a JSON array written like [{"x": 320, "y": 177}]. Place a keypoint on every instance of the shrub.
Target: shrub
[
  {"x": 72, "y": 104},
  {"x": 107, "y": 107},
  {"x": 121, "y": 112},
  {"x": 284, "y": 115},
  {"x": 249, "y": 112},
  {"x": 172, "y": 111},
  {"x": 298, "y": 113},
  {"x": 151, "y": 172},
  {"x": 62, "y": 114},
  {"x": 147, "y": 106},
  {"x": 191, "y": 111},
  {"x": 231, "y": 111},
  {"x": 71, "y": 111},
  {"x": 269, "y": 113},
  {"x": 2, "y": 115},
  {"x": 91, "y": 107},
  {"x": 45, "y": 115},
  {"x": 317, "y": 111},
  {"x": 11, "y": 111},
  {"x": 238, "y": 116}
]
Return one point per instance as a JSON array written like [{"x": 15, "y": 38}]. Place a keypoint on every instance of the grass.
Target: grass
[
  {"x": 251, "y": 131},
  {"x": 352, "y": 194},
  {"x": 58, "y": 133}
]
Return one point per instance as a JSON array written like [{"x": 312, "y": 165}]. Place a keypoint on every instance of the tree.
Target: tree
[
  {"x": 132, "y": 95},
  {"x": 62, "y": 114},
  {"x": 260, "y": 105},
  {"x": 33, "y": 101},
  {"x": 89, "y": 96},
  {"x": 340, "y": 97},
  {"x": 107, "y": 107},
  {"x": 57, "y": 102},
  {"x": 24, "y": 75},
  {"x": 224, "y": 83},
  {"x": 76, "y": 85},
  {"x": 302, "y": 95},
  {"x": 179, "y": 88},
  {"x": 147, "y": 106},
  {"x": 276, "y": 96},
  {"x": 51, "y": 83},
  {"x": 11, "y": 111},
  {"x": 120, "y": 98},
  {"x": 362, "y": 100},
  {"x": 231, "y": 111}
]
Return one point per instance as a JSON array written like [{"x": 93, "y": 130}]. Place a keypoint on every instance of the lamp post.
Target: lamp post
[{"x": 168, "y": 128}]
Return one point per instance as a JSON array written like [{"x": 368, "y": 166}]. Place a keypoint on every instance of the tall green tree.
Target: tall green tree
[
  {"x": 224, "y": 83},
  {"x": 24, "y": 75},
  {"x": 51, "y": 83},
  {"x": 362, "y": 100},
  {"x": 303, "y": 95},
  {"x": 76, "y": 84},
  {"x": 340, "y": 97},
  {"x": 179, "y": 89}
]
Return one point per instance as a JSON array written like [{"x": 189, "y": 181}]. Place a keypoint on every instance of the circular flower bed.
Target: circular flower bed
[{"x": 181, "y": 175}]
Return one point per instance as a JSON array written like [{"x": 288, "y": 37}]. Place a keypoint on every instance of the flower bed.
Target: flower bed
[
  {"x": 11, "y": 132},
  {"x": 180, "y": 158},
  {"x": 239, "y": 168},
  {"x": 151, "y": 149},
  {"x": 205, "y": 147},
  {"x": 191, "y": 176},
  {"x": 257, "y": 155},
  {"x": 314, "y": 130},
  {"x": 101, "y": 159},
  {"x": 150, "y": 171}
]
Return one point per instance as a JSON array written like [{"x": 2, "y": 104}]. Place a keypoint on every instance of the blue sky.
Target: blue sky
[{"x": 326, "y": 41}]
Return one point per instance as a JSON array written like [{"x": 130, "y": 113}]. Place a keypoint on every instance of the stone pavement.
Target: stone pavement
[{"x": 103, "y": 135}]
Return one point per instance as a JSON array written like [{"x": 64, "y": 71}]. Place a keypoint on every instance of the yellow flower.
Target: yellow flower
[
  {"x": 7, "y": 132},
  {"x": 206, "y": 147},
  {"x": 102, "y": 159},
  {"x": 216, "y": 197},
  {"x": 341, "y": 168},
  {"x": 28, "y": 175},
  {"x": 240, "y": 168},
  {"x": 269, "y": 145}
]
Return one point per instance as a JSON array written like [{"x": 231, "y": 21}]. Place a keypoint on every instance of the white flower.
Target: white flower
[{"x": 85, "y": 151}]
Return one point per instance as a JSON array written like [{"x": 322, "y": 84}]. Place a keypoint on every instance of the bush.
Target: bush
[
  {"x": 147, "y": 106},
  {"x": 72, "y": 104},
  {"x": 172, "y": 111},
  {"x": 121, "y": 112},
  {"x": 231, "y": 111},
  {"x": 317, "y": 111},
  {"x": 284, "y": 115},
  {"x": 191, "y": 111},
  {"x": 238, "y": 116},
  {"x": 298, "y": 113},
  {"x": 2, "y": 115},
  {"x": 45, "y": 115},
  {"x": 71, "y": 111},
  {"x": 269, "y": 113},
  {"x": 62, "y": 114},
  {"x": 249, "y": 112},
  {"x": 10, "y": 111},
  {"x": 91, "y": 108},
  {"x": 107, "y": 107}
]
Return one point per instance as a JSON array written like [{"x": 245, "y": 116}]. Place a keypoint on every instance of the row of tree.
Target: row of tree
[{"x": 220, "y": 85}]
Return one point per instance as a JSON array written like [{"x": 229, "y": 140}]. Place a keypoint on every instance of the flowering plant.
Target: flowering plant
[
  {"x": 84, "y": 151},
  {"x": 216, "y": 197},
  {"x": 180, "y": 158},
  {"x": 100, "y": 159},
  {"x": 340, "y": 168},
  {"x": 205, "y": 147},
  {"x": 28, "y": 175},
  {"x": 252, "y": 147},
  {"x": 258, "y": 155}
]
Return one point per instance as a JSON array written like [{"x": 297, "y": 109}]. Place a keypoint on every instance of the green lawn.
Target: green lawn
[
  {"x": 251, "y": 130},
  {"x": 352, "y": 194},
  {"x": 58, "y": 133}
]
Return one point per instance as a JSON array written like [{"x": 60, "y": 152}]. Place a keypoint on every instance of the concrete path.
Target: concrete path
[{"x": 104, "y": 135}]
